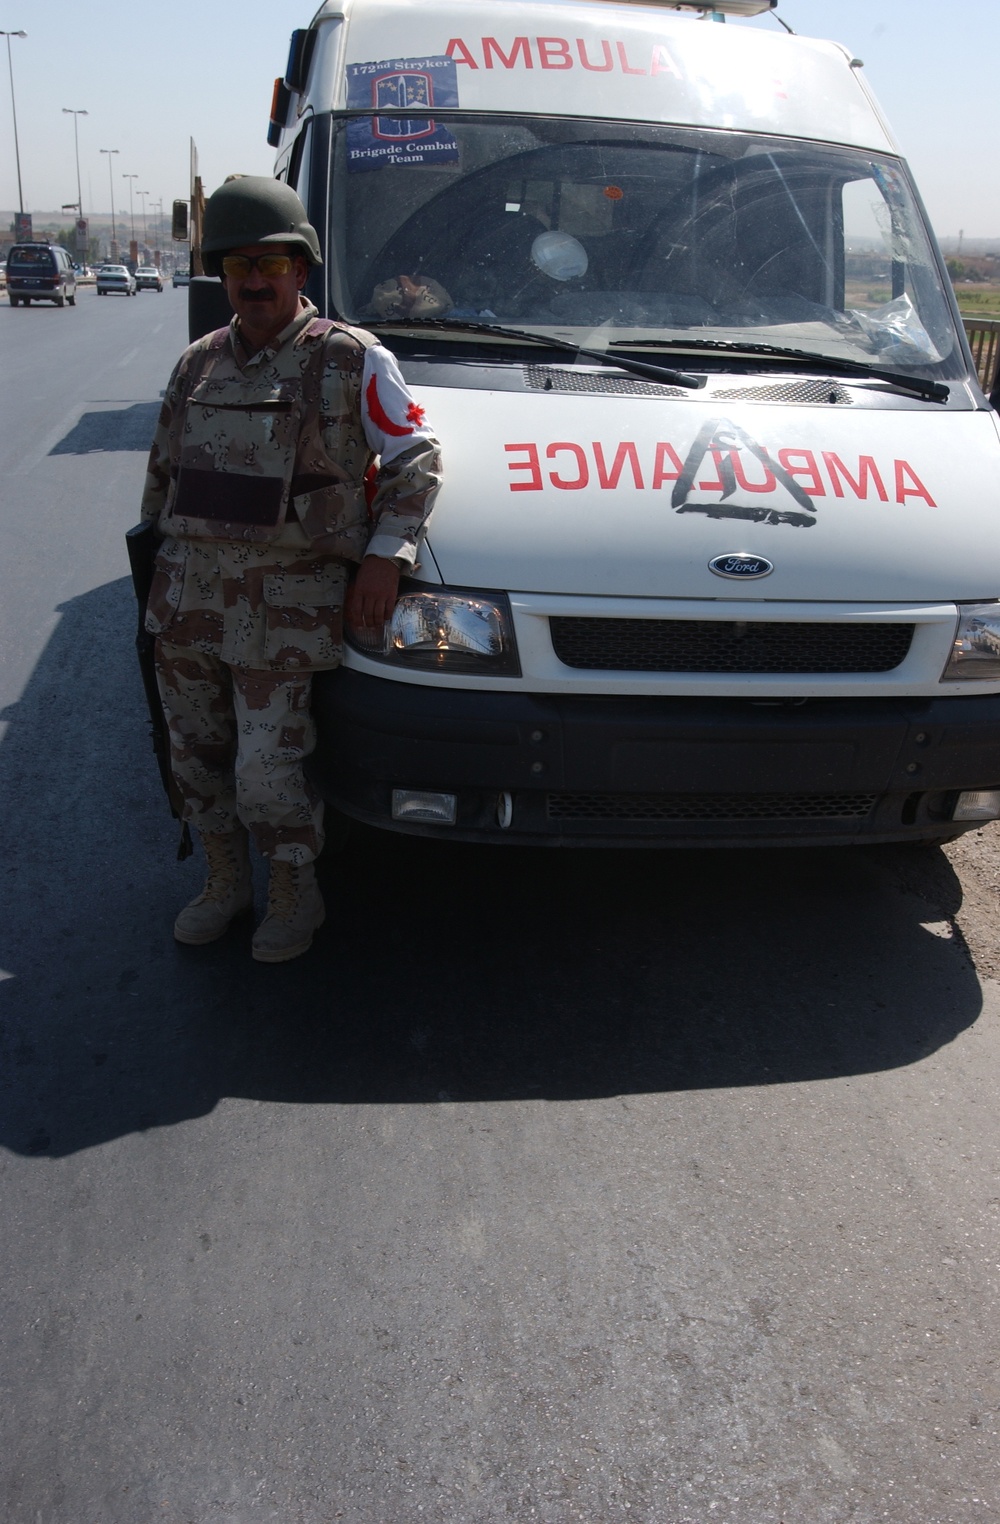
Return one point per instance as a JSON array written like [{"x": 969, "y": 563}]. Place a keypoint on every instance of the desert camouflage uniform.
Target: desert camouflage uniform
[{"x": 256, "y": 482}]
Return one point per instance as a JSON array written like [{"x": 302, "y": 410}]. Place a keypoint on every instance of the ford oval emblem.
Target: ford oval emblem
[{"x": 742, "y": 567}]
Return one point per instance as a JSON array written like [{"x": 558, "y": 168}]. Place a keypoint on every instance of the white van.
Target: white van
[{"x": 717, "y": 560}]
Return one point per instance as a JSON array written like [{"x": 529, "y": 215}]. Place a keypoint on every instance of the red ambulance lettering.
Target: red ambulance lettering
[
  {"x": 601, "y": 68},
  {"x": 583, "y": 472},
  {"x": 769, "y": 484},
  {"x": 866, "y": 468},
  {"x": 917, "y": 490},
  {"x": 660, "y": 475},
  {"x": 491, "y": 46},
  {"x": 626, "y": 68},
  {"x": 457, "y": 50},
  {"x": 556, "y": 53},
  {"x": 808, "y": 469},
  {"x": 625, "y": 451},
  {"x": 733, "y": 468},
  {"x": 718, "y": 485},
  {"x": 553, "y": 53},
  {"x": 662, "y": 63},
  {"x": 530, "y": 464}
]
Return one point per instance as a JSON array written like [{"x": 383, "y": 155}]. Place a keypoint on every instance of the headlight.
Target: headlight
[
  {"x": 442, "y": 630},
  {"x": 975, "y": 654}
]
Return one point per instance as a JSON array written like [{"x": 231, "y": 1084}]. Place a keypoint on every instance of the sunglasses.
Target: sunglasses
[{"x": 240, "y": 265}]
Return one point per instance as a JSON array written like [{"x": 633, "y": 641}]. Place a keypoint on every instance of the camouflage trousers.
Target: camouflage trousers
[{"x": 238, "y": 741}]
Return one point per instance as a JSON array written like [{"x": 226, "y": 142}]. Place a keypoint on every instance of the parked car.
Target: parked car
[
  {"x": 148, "y": 278},
  {"x": 40, "y": 272},
  {"x": 182, "y": 278},
  {"x": 115, "y": 278}
]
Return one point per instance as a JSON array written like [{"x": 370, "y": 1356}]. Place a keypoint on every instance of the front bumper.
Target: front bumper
[{"x": 597, "y": 770}]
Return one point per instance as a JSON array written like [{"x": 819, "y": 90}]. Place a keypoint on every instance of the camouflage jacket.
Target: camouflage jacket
[{"x": 256, "y": 480}]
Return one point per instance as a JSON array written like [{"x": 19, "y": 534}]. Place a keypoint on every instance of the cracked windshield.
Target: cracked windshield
[{"x": 644, "y": 235}]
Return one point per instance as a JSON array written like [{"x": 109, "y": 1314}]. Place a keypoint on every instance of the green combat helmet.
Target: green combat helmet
[{"x": 250, "y": 209}]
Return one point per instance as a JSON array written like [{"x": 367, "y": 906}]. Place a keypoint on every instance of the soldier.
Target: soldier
[{"x": 256, "y": 485}]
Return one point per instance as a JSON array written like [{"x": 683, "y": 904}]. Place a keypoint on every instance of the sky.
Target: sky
[{"x": 153, "y": 77}]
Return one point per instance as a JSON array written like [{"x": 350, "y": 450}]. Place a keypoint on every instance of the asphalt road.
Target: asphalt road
[{"x": 652, "y": 1187}]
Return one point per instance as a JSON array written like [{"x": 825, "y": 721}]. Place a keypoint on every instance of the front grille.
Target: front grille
[
  {"x": 550, "y": 378},
  {"x": 727, "y": 646},
  {"x": 808, "y": 392},
  {"x": 733, "y": 807},
  {"x": 568, "y": 378}
]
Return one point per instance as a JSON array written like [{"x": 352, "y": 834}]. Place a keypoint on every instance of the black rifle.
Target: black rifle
[{"x": 140, "y": 542}]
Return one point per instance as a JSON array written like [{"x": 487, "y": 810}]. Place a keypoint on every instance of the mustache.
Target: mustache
[{"x": 265, "y": 295}]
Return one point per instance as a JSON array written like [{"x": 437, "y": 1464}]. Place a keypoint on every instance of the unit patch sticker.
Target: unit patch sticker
[
  {"x": 724, "y": 441},
  {"x": 401, "y": 85}
]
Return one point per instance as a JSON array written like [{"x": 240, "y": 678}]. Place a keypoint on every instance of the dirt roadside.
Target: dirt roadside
[
  {"x": 968, "y": 911},
  {"x": 975, "y": 857}
]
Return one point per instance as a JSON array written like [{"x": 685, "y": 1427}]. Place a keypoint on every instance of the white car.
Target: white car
[
  {"x": 115, "y": 278},
  {"x": 148, "y": 278}
]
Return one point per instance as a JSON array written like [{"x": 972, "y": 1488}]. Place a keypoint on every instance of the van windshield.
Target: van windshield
[{"x": 615, "y": 233}]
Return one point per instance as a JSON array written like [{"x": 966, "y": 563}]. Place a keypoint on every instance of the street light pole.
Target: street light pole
[
  {"x": 145, "y": 239},
  {"x": 68, "y": 111},
  {"x": 114, "y": 230},
  {"x": 17, "y": 151},
  {"x": 131, "y": 208}
]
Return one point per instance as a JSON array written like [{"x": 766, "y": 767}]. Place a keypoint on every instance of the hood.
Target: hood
[{"x": 634, "y": 497}]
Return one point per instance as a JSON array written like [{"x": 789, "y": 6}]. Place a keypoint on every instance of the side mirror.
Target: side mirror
[{"x": 179, "y": 222}]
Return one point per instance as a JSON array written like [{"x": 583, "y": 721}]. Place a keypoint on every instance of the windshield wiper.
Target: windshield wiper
[
  {"x": 934, "y": 391},
  {"x": 623, "y": 362}
]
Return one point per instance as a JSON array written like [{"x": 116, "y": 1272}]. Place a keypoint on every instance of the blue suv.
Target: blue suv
[{"x": 40, "y": 272}]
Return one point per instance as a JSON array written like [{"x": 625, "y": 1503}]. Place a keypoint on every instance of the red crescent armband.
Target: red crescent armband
[{"x": 380, "y": 418}]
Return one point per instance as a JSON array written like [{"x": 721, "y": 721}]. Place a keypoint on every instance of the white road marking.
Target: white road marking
[
  {"x": 27, "y": 463},
  {"x": 128, "y": 358}
]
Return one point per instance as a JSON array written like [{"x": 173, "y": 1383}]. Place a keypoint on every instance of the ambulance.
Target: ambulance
[{"x": 717, "y": 557}]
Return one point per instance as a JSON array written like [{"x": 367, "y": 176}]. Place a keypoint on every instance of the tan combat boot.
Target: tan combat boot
[
  {"x": 228, "y": 890},
  {"x": 294, "y": 911}
]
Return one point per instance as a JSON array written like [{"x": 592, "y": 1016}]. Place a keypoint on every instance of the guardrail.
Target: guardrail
[{"x": 983, "y": 335}]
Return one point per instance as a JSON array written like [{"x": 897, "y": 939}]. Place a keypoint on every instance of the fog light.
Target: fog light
[
  {"x": 978, "y": 804},
  {"x": 418, "y": 804}
]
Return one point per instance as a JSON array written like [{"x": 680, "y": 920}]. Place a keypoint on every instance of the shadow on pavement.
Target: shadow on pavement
[
  {"x": 443, "y": 971},
  {"x": 123, "y": 428}
]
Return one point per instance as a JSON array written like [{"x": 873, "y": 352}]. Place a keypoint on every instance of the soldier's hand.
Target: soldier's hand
[{"x": 372, "y": 595}]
